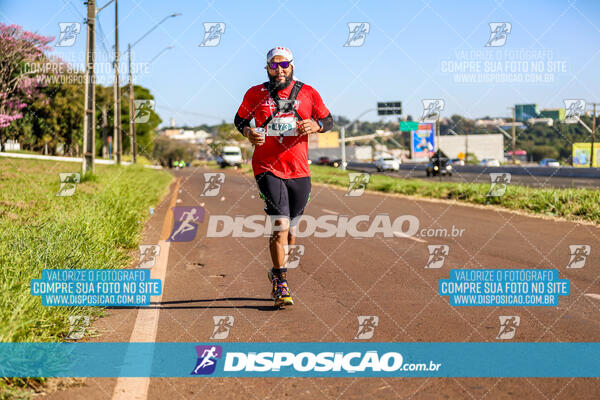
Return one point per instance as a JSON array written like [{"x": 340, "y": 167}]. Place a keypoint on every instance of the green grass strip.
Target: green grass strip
[{"x": 95, "y": 228}]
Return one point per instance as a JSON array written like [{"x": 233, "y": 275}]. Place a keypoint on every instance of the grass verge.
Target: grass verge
[{"x": 94, "y": 228}]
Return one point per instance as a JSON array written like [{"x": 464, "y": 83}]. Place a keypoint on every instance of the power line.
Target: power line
[{"x": 103, "y": 37}]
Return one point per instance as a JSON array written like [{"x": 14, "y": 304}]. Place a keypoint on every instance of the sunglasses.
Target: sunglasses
[{"x": 283, "y": 64}]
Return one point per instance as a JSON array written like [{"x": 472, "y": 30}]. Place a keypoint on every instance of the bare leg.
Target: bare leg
[
  {"x": 277, "y": 241},
  {"x": 292, "y": 235}
]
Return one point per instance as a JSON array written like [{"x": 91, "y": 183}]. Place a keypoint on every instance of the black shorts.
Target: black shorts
[{"x": 284, "y": 197}]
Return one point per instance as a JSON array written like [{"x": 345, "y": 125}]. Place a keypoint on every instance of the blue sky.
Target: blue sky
[{"x": 403, "y": 56}]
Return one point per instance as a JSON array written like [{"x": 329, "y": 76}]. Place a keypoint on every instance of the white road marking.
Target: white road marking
[
  {"x": 402, "y": 235},
  {"x": 330, "y": 212},
  {"x": 144, "y": 330},
  {"x": 146, "y": 322},
  {"x": 593, "y": 295}
]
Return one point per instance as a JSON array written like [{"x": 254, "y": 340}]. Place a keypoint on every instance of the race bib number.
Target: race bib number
[{"x": 282, "y": 126}]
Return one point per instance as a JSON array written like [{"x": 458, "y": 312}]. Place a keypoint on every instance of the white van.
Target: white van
[{"x": 230, "y": 155}]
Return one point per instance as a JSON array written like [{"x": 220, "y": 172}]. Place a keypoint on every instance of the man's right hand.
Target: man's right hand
[{"x": 254, "y": 137}]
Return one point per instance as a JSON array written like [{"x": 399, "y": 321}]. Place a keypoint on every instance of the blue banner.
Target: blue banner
[
  {"x": 300, "y": 359},
  {"x": 95, "y": 287},
  {"x": 504, "y": 287}
]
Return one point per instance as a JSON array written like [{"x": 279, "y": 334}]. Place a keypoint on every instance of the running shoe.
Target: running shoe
[{"x": 280, "y": 292}]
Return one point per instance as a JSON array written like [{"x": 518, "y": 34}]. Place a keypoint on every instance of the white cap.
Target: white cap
[{"x": 280, "y": 51}]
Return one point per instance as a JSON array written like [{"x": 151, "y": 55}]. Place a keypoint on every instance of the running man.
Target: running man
[
  {"x": 207, "y": 361},
  {"x": 186, "y": 222},
  {"x": 288, "y": 111}
]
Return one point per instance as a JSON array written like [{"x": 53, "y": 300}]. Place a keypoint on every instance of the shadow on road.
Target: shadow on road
[{"x": 168, "y": 304}]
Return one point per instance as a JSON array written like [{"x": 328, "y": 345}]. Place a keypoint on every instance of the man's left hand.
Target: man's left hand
[{"x": 307, "y": 126}]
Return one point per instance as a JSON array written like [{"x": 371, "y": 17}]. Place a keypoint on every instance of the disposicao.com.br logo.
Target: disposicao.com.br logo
[
  {"x": 326, "y": 226},
  {"x": 312, "y": 363}
]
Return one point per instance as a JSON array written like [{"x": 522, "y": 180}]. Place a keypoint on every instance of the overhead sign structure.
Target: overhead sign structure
[{"x": 389, "y": 108}]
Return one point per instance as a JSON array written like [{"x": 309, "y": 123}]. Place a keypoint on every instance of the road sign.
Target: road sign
[
  {"x": 389, "y": 108},
  {"x": 407, "y": 126}
]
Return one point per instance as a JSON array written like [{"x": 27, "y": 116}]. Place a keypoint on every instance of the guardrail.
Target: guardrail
[{"x": 563, "y": 172}]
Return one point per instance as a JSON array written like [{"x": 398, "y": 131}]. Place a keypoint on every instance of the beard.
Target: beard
[{"x": 277, "y": 85}]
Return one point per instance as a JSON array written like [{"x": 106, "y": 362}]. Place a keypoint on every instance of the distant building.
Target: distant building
[
  {"x": 171, "y": 131},
  {"x": 557, "y": 114},
  {"x": 545, "y": 121},
  {"x": 197, "y": 137},
  {"x": 12, "y": 145},
  {"x": 324, "y": 140},
  {"x": 490, "y": 122},
  {"x": 523, "y": 112},
  {"x": 483, "y": 146},
  {"x": 353, "y": 153}
]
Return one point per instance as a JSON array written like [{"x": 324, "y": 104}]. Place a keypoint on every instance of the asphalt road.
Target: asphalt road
[
  {"x": 480, "y": 177},
  {"x": 342, "y": 278}
]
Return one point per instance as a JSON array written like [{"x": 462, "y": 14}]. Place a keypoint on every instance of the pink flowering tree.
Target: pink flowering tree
[{"x": 20, "y": 80}]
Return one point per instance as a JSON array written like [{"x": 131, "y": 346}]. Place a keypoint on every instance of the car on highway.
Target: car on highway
[
  {"x": 457, "y": 161},
  {"x": 439, "y": 165},
  {"x": 230, "y": 156},
  {"x": 323, "y": 161},
  {"x": 387, "y": 164},
  {"x": 549, "y": 162},
  {"x": 489, "y": 162},
  {"x": 336, "y": 163}
]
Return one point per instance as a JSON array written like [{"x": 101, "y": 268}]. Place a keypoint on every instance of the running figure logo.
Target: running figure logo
[
  {"x": 212, "y": 34},
  {"x": 186, "y": 220},
  {"x": 143, "y": 109},
  {"x": 223, "y": 323},
  {"x": 358, "y": 34},
  {"x": 579, "y": 254},
  {"x": 68, "y": 183},
  {"x": 207, "y": 359},
  {"x": 574, "y": 108},
  {"x": 437, "y": 255},
  {"x": 498, "y": 34},
  {"x": 432, "y": 109},
  {"x": 366, "y": 326},
  {"x": 148, "y": 255},
  {"x": 68, "y": 34},
  {"x": 499, "y": 182},
  {"x": 358, "y": 183},
  {"x": 212, "y": 183},
  {"x": 508, "y": 327},
  {"x": 293, "y": 253}
]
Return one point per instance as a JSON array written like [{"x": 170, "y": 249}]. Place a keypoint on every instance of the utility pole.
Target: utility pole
[
  {"x": 89, "y": 108},
  {"x": 438, "y": 150},
  {"x": 593, "y": 137},
  {"x": 343, "y": 147},
  {"x": 105, "y": 130},
  {"x": 132, "y": 138},
  {"x": 514, "y": 135},
  {"x": 117, "y": 133},
  {"x": 467, "y": 128}
]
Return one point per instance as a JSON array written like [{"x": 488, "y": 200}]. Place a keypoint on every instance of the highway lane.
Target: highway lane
[
  {"x": 416, "y": 171},
  {"x": 340, "y": 278}
]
